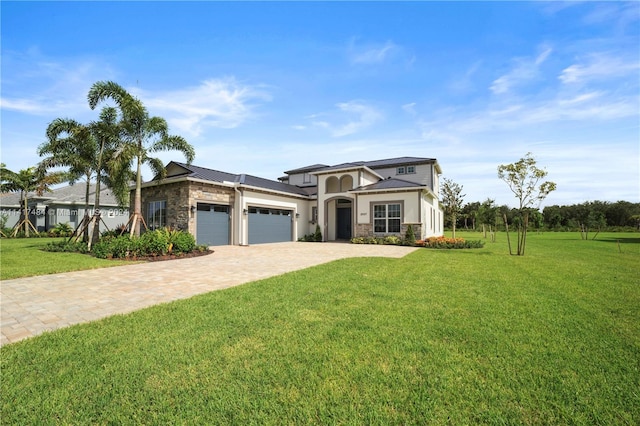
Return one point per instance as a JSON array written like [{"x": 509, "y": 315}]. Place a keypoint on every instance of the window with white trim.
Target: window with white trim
[
  {"x": 411, "y": 169},
  {"x": 157, "y": 215},
  {"x": 400, "y": 170},
  {"x": 306, "y": 178},
  {"x": 386, "y": 218}
]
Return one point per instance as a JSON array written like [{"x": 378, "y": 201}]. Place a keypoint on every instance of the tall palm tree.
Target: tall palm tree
[
  {"x": 25, "y": 181},
  {"x": 71, "y": 144},
  {"x": 141, "y": 136},
  {"x": 106, "y": 131}
]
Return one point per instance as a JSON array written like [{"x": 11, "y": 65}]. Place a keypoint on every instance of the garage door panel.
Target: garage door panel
[
  {"x": 212, "y": 225},
  {"x": 269, "y": 225}
]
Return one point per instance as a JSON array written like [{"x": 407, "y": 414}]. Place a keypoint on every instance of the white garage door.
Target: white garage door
[{"x": 270, "y": 225}]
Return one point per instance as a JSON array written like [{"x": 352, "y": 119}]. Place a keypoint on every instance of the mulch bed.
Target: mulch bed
[{"x": 168, "y": 256}]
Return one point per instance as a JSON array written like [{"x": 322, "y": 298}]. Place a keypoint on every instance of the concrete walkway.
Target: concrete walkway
[{"x": 30, "y": 306}]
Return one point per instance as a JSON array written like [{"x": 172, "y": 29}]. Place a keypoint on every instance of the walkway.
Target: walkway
[{"x": 30, "y": 306}]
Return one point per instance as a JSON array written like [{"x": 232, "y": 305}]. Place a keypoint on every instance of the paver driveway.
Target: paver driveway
[{"x": 30, "y": 306}]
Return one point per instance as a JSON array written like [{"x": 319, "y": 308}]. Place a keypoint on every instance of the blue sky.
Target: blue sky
[{"x": 261, "y": 88}]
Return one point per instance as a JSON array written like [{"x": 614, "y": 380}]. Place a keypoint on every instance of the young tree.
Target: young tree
[
  {"x": 452, "y": 198},
  {"x": 24, "y": 181},
  {"x": 524, "y": 179},
  {"x": 141, "y": 136}
]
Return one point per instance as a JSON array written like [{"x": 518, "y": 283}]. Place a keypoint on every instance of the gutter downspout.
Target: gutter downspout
[{"x": 240, "y": 215}]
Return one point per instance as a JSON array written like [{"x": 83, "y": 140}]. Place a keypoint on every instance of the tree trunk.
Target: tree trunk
[
  {"x": 453, "y": 223},
  {"x": 506, "y": 227},
  {"x": 137, "y": 204},
  {"x": 26, "y": 215},
  {"x": 95, "y": 236}
]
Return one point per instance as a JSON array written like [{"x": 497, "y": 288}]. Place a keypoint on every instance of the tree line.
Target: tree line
[{"x": 587, "y": 216}]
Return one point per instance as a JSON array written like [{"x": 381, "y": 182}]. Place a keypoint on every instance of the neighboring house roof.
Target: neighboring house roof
[
  {"x": 70, "y": 194},
  {"x": 242, "y": 179}
]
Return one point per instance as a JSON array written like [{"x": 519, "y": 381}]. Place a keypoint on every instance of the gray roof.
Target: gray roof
[
  {"x": 70, "y": 194},
  {"x": 311, "y": 168},
  {"x": 390, "y": 184},
  {"x": 376, "y": 164},
  {"x": 243, "y": 179}
]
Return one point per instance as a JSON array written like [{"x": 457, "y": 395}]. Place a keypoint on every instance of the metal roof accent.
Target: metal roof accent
[{"x": 388, "y": 184}]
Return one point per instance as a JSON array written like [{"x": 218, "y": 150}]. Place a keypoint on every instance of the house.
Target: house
[
  {"x": 62, "y": 205},
  {"x": 365, "y": 198}
]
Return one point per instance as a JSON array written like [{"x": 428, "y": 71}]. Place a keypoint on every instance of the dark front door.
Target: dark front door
[{"x": 344, "y": 223}]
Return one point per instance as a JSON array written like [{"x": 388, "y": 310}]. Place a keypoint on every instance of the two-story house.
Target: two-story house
[{"x": 365, "y": 198}]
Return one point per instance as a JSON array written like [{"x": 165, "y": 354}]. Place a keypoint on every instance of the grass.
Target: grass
[
  {"x": 22, "y": 257},
  {"x": 438, "y": 337}
]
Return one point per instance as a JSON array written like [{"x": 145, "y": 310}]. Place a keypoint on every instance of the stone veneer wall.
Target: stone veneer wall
[
  {"x": 366, "y": 230},
  {"x": 177, "y": 197},
  {"x": 180, "y": 196}
]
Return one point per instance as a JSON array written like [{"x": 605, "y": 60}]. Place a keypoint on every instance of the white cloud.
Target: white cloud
[
  {"x": 523, "y": 71},
  {"x": 366, "y": 116},
  {"x": 37, "y": 85},
  {"x": 371, "y": 54},
  {"x": 410, "y": 108},
  {"x": 599, "y": 66},
  {"x": 220, "y": 103}
]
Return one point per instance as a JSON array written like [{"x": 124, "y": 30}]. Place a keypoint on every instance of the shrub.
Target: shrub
[
  {"x": 184, "y": 242},
  {"x": 67, "y": 246},
  {"x": 61, "y": 230},
  {"x": 410, "y": 236},
  {"x": 451, "y": 243},
  {"x": 118, "y": 247},
  {"x": 154, "y": 243},
  {"x": 151, "y": 243},
  {"x": 315, "y": 237},
  {"x": 391, "y": 240}
]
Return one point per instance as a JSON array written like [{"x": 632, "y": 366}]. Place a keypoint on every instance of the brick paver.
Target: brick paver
[{"x": 30, "y": 306}]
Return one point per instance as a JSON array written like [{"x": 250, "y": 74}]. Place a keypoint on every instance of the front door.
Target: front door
[{"x": 343, "y": 223}]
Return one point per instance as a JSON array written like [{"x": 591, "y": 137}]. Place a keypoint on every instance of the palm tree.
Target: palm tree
[
  {"x": 71, "y": 144},
  {"x": 24, "y": 181},
  {"x": 141, "y": 136},
  {"x": 107, "y": 132}
]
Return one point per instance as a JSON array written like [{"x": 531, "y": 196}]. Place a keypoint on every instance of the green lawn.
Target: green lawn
[
  {"x": 438, "y": 337},
  {"x": 22, "y": 257}
]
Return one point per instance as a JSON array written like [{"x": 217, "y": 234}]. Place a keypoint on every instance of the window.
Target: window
[
  {"x": 306, "y": 178},
  {"x": 411, "y": 169},
  {"x": 400, "y": 171},
  {"x": 314, "y": 214},
  {"x": 157, "y": 216},
  {"x": 386, "y": 218}
]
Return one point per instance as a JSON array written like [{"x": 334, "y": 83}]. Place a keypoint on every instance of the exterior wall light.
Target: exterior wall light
[
  {"x": 193, "y": 209},
  {"x": 245, "y": 212},
  {"x": 297, "y": 215}
]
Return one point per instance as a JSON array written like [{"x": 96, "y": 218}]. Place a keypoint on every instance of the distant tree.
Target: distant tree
[
  {"x": 141, "y": 136},
  {"x": 487, "y": 214},
  {"x": 452, "y": 198},
  {"x": 470, "y": 214},
  {"x": 25, "y": 181},
  {"x": 524, "y": 179}
]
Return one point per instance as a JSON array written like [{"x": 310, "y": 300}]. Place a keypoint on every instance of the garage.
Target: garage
[
  {"x": 269, "y": 225},
  {"x": 212, "y": 224}
]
